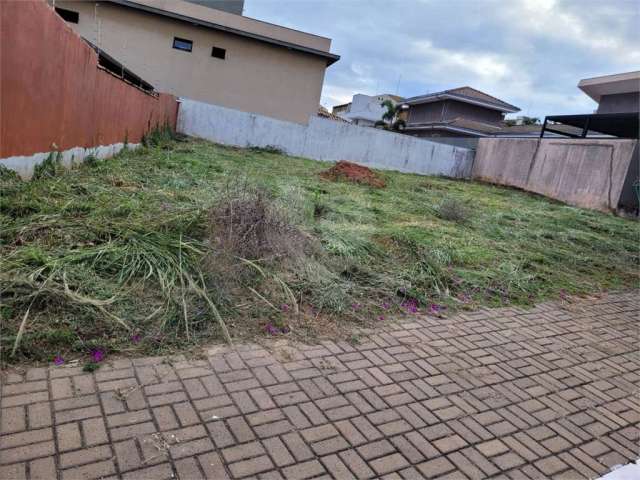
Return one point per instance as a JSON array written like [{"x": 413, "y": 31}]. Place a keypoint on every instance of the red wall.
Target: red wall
[{"x": 52, "y": 91}]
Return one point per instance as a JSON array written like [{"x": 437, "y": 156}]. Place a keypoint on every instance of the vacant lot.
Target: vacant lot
[{"x": 142, "y": 252}]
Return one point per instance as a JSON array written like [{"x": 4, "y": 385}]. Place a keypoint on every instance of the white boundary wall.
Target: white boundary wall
[
  {"x": 324, "y": 139},
  {"x": 24, "y": 165}
]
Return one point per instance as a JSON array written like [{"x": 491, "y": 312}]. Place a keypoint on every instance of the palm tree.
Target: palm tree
[{"x": 390, "y": 120}]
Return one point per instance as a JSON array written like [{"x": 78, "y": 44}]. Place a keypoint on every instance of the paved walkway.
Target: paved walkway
[{"x": 505, "y": 393}]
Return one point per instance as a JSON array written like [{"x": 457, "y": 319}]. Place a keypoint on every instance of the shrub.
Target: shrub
[
  {"x": 453, "y": 210},
  {"x": 246, "y": 223}
]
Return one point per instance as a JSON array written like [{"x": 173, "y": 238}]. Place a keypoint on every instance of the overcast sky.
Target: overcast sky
[{"x": 530, "y": 53}]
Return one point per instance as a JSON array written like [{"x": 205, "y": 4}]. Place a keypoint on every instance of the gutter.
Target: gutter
[
  {"x": 330, "y": 57},
  {"x": 448, "y": 128}
]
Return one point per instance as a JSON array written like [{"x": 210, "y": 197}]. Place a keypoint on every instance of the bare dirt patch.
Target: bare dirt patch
[{"x": 352, "y": 172}]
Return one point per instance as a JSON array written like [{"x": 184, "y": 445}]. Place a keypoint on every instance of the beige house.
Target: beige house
[{"x": 209, "y": 55}]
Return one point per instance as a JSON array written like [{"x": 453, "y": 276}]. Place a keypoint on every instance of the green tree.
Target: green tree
[
  {"x": 390, "y": 120},
  {"x": 530, "y": 121}
]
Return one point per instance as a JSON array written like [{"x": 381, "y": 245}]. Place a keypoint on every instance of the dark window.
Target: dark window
[
  {"x": 218, "y": 53},
  {"x": 182, "y": 44},
  {"x": 68, "y": 15}
]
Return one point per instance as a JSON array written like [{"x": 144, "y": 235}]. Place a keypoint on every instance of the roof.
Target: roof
[
  {"x": 467, "y": 95},
  {"x": 236, "y": 25},
  {"x": 462, "y": 125},
  {"x": 324, "y": 113},
  {"x": 596, "y": 87}
]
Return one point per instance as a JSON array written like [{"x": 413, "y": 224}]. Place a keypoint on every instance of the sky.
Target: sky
[{"x": 530, "y": 53}]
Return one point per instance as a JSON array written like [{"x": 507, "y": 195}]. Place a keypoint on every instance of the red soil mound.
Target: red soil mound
[{"x": 353, "y": 172}]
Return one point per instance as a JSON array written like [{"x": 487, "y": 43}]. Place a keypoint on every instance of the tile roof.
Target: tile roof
[
  {"x": 324, "y": 113},
  {"x": 466, "y": 93},
  {"x": 464, "y": 123}
]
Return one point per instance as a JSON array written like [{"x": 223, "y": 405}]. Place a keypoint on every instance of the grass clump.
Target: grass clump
[
  {"x": 182, "y": 242},
  {"x": 50, "y": 167},
  {"x": 453, "y": 210}
]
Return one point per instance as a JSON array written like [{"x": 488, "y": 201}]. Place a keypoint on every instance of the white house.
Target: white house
[{"x": 365, "y": 110}]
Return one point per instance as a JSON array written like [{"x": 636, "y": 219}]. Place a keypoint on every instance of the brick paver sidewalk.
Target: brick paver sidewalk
[{"x": 549, "y": 392}]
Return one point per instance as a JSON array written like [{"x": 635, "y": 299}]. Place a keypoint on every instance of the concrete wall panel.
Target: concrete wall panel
[
  {"x": 587, "y": 173},
  {"x": 324, "y": 139},
  {"x": 53, "y": 95}
]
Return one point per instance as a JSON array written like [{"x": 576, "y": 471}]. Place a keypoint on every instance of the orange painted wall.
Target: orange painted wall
[{"x": 53, "y": 95}]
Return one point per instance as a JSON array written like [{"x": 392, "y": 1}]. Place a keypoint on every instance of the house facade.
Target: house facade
[
  {"x": 617, "y": 93},
  {"x": 210, "y": 55},
  {"x": 458, "y": 112},
  {"x": 365, "y": 110}
]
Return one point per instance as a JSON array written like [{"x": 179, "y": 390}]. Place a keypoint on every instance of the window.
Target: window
[
  {"x": 218, "y": 53},
  {"x": 68, "y": 15},
  {"x": 182, "y": 44}
]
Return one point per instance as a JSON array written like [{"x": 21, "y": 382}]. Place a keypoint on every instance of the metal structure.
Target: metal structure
[{"x": 621, "y": 125}]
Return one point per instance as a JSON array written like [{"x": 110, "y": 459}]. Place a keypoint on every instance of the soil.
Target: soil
[{"x": 352, "y": 172}]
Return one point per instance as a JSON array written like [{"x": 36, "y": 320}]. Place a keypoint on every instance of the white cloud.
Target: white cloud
[
  {"x": 555, "y": 20},
  {"x": 446, "y": 62},
  {"x": 531, "y": 53}
]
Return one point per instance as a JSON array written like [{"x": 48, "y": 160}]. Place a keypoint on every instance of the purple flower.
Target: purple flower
[
  {"x": 356, "y": 306},
  {"x": 284, "y": 307},
  {"x": 386, "y": 306},
  {"x": 58, "y": 360},
  {"x": 285, "y": 330},
  {"x": 434, "y": 308},
  {"x": 272, "y": 330},
  {"x": 381, "y": 318},
  {"x": 410, "y": 305},
  {"x": 136, "y": 338},
  {"x": 97, "y": 355}
]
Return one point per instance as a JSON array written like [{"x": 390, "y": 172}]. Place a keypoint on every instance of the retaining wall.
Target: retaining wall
[
  {"x": 324, "y": 139},
  {"x": 55, "y": 97},
  {"x": 587, "y": 173}
]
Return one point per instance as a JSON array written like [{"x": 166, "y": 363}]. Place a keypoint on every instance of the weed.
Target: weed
[
  {"x": 271, "y": 149},
  {"x": 160, "y": 136},
  {"x": 7, "y": 174},
  {"x": 91, "y": 160},
  {"x": 90, "y": 367},
  {"x": 180, "y": 239},
  {"x": 320, "y": 208},
  {"x": 49, "y": 168},
  {"x": 454, "y": 210}
]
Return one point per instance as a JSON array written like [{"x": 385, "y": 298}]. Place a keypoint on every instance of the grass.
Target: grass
[{"x": 118, "y": 249}]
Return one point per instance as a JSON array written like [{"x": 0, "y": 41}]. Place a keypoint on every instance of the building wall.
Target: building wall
[
  {"x": 426, "y": 112},
  {"x": 55, "y": 97},
  {"x": 450, "y": 109},
  {"x": 232, "y": 6},
  {"x": 324, "y": 139},
  {"x": 255, "y": 76},
  {"x": 619, "y": 103},
  {"x": 341, "y": 109},
  {"x": 454, "y": 109}
]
